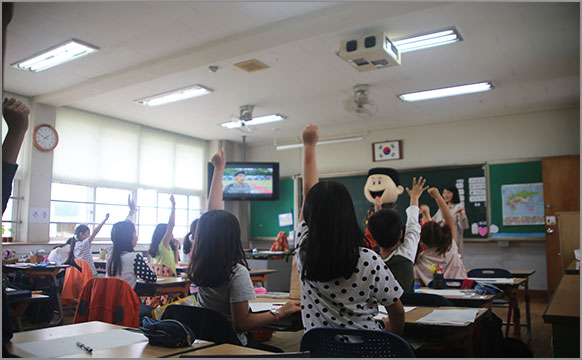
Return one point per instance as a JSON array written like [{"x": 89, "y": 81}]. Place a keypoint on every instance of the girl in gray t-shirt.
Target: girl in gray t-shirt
[{"x": 219, "y": 268}]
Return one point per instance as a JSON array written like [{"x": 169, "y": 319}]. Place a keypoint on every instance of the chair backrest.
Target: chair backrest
[
  {"x": 354, "y": 343},
  {"x": 110, "y": 300},
  {"x": 489, "y": 273},
  {"x": 162, "y": 270},
  {"x": 75, "y": 280},
  {"x": 207, "y": 324},
  {"x": 419, "y": 299}
]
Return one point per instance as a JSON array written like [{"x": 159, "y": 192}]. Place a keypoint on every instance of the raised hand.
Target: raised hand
[
  {"x": 219, "y": 159},
  {"x": 417, "y": 188},
  {"x": 106, "y": 217},
  {"x": 172, "y": 200},
  {"x": 310, "y": 134},
  {"x": 16, "y": 114},
  {"x": 131, "y": 204},
  {"x": 434, "y": 192},
  {"x": 425, "y": 210}
]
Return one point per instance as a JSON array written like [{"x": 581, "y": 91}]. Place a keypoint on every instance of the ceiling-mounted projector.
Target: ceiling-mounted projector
[{"x": 369, "y": 52}]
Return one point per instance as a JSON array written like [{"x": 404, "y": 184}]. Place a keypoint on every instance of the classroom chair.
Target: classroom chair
[
  {"x": 354, "y": 343},
  {"x": 74, "y": 282},
  {"x": 419, "y": 299},
  {"x": 304, "y": 354},
  {"x": 109, "y": 300},
  {"x": 207, "y": 324},
  {"x": 511, "y": 293}
]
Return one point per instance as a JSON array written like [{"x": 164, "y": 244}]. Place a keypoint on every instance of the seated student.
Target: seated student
[
  {"x": 385, "y": 226},
  {"x": 342, "y": 282},
  {"x": 124, "y": 263},
  {"x": 164, "y": 248},
  {"x": 219, "y": 268},
  {"x": 441, "y": 249},
  {"x": 81, "y": 244},
  {"x": 187, "y": 244}
]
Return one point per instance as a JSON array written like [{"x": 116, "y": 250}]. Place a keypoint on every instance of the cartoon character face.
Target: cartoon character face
[{"x": 383, "y": 187}]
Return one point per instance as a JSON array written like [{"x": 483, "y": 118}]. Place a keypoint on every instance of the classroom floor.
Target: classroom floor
[{"x": 540, "y": 343}]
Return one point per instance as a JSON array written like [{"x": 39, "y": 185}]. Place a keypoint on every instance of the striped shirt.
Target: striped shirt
[{"x": 83, "y": 251}]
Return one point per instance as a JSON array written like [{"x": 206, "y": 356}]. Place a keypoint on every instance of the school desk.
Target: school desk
[
  {"x": 440, "y": 335},
  {"x": 563, "y": 312},
  {"x": 573, "y": 268},
  {"x": 260, "y": 275},
  {"x": 60, "y": 340},
  {"x": 19, "y": 305},
  {"x": 174, "y": 285},
  {"x": 100, "y": 265},
  {"x": 223, "y": 350},
  {"x": 525, "y": 274},
  {"x": 16, "y": 273},
  {"x": 462, "y": 297}
]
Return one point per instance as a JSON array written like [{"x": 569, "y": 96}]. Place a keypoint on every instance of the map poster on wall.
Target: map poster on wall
[{"x": 523, "y": 204}]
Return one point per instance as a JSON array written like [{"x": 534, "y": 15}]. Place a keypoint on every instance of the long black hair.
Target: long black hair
[
  {"x": 331, "y": 248},
  {"x": 73, "y": 241},
  {"x": 157, "y": 237},
  {"x": 189, "y": 238},
  {"x": 452, "y": 188},
  {"x": 217, "y": 249},
  {"x": 122, "y": 235}
]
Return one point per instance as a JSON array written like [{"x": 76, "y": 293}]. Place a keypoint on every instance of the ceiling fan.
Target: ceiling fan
[{"x": 360, "y": 103}]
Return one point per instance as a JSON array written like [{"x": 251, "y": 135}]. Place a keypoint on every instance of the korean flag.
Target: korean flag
[{"x": 389, "y": 150}]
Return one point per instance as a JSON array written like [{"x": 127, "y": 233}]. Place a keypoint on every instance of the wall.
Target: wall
[{"x": 519, "y": 136}]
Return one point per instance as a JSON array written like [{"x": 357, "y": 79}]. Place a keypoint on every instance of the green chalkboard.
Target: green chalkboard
[
  {"x": 265, "y": 214},
  {"x": 437, "y": 177},
  {"x": 510, "y": 174}
]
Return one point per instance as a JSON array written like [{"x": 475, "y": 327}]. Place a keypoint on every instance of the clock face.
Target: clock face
[{"x": 45, "y": 138}]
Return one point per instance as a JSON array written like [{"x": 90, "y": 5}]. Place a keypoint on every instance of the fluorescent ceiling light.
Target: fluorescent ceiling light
[
  {"x": 324, "y": 142},
  {"x": 254, "y": 121},
  {"x": 444, "y": 92},
  {"x": 174, "y": 95},
  {"x": 60, "y": 54},
  {"x": 429, "y": 40}
]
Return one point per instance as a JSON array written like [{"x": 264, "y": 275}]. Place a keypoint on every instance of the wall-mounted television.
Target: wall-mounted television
[{"x": 245, "y": 180}]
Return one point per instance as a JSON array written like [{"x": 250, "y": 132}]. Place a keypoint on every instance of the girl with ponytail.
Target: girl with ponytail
[
  {"x": 441, "y": 246},
  {"x": 188, "y": 243}
]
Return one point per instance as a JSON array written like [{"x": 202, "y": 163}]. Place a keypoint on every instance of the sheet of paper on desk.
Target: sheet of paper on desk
[
  {"x": 448, "y": 292},
  {"x": 68, "y": 345},
  {"x": 451, "y": 316},
  {"x": 382, "y": 313},
  {"x": 494, "y": 280},
  {"x": 263, "y": 306}
]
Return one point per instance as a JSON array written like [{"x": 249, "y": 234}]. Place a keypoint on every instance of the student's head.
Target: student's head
[
  {"x": 217, "y": 249},
  {"x": 436, "y": 237},
  {"x": 124, "y": 238},
  {"x": 239, "y": 177},
  {"x": 451, "y": 194},
  {"x": 157, "y": 237},
  {"x": 189, "y": 238},
  {"x": 386, "y": 227},
  {"x": 332, "y": 247},
  {"x": 82, "y": 232}
]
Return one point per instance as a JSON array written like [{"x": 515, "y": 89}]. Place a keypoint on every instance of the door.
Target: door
[
  {"x": 561, "y": 178},
  {"x": 569, "y": 231}
]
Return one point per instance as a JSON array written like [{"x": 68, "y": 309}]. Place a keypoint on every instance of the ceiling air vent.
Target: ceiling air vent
[{"x": 251, "y": 65}]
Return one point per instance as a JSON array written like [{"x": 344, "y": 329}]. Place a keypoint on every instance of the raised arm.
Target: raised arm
[
  {"x": 169, "y": 235},
  {"x": 215, "y": 196},
  {"x": 417, "y": 190},
  {"x": 425, "y": 211},
  {"x": 16, "y": 115},
  {"x": 98, "y": 228},
  {"x": 310, "y": 135},
  {"x": 132, "y": 209},
  {"x": 443, "y": 207}
]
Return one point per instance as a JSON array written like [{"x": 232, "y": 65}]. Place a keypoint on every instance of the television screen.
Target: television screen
[{"x": 244, "y": 180}]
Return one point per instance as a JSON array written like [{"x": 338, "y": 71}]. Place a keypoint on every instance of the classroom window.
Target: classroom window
[
  {"x": 73, "y": 204},
  {"x": 11, "y": 219}
]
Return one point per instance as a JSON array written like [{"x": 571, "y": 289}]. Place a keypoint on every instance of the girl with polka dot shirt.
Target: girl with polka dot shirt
[{"x": 342, "y": 282}]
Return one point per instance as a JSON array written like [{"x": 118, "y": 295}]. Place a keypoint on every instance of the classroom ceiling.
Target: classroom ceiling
[{"x": 530, "y": 51}]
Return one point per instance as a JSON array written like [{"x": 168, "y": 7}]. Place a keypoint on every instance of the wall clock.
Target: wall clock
[{"x": 45, "y": 137}]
